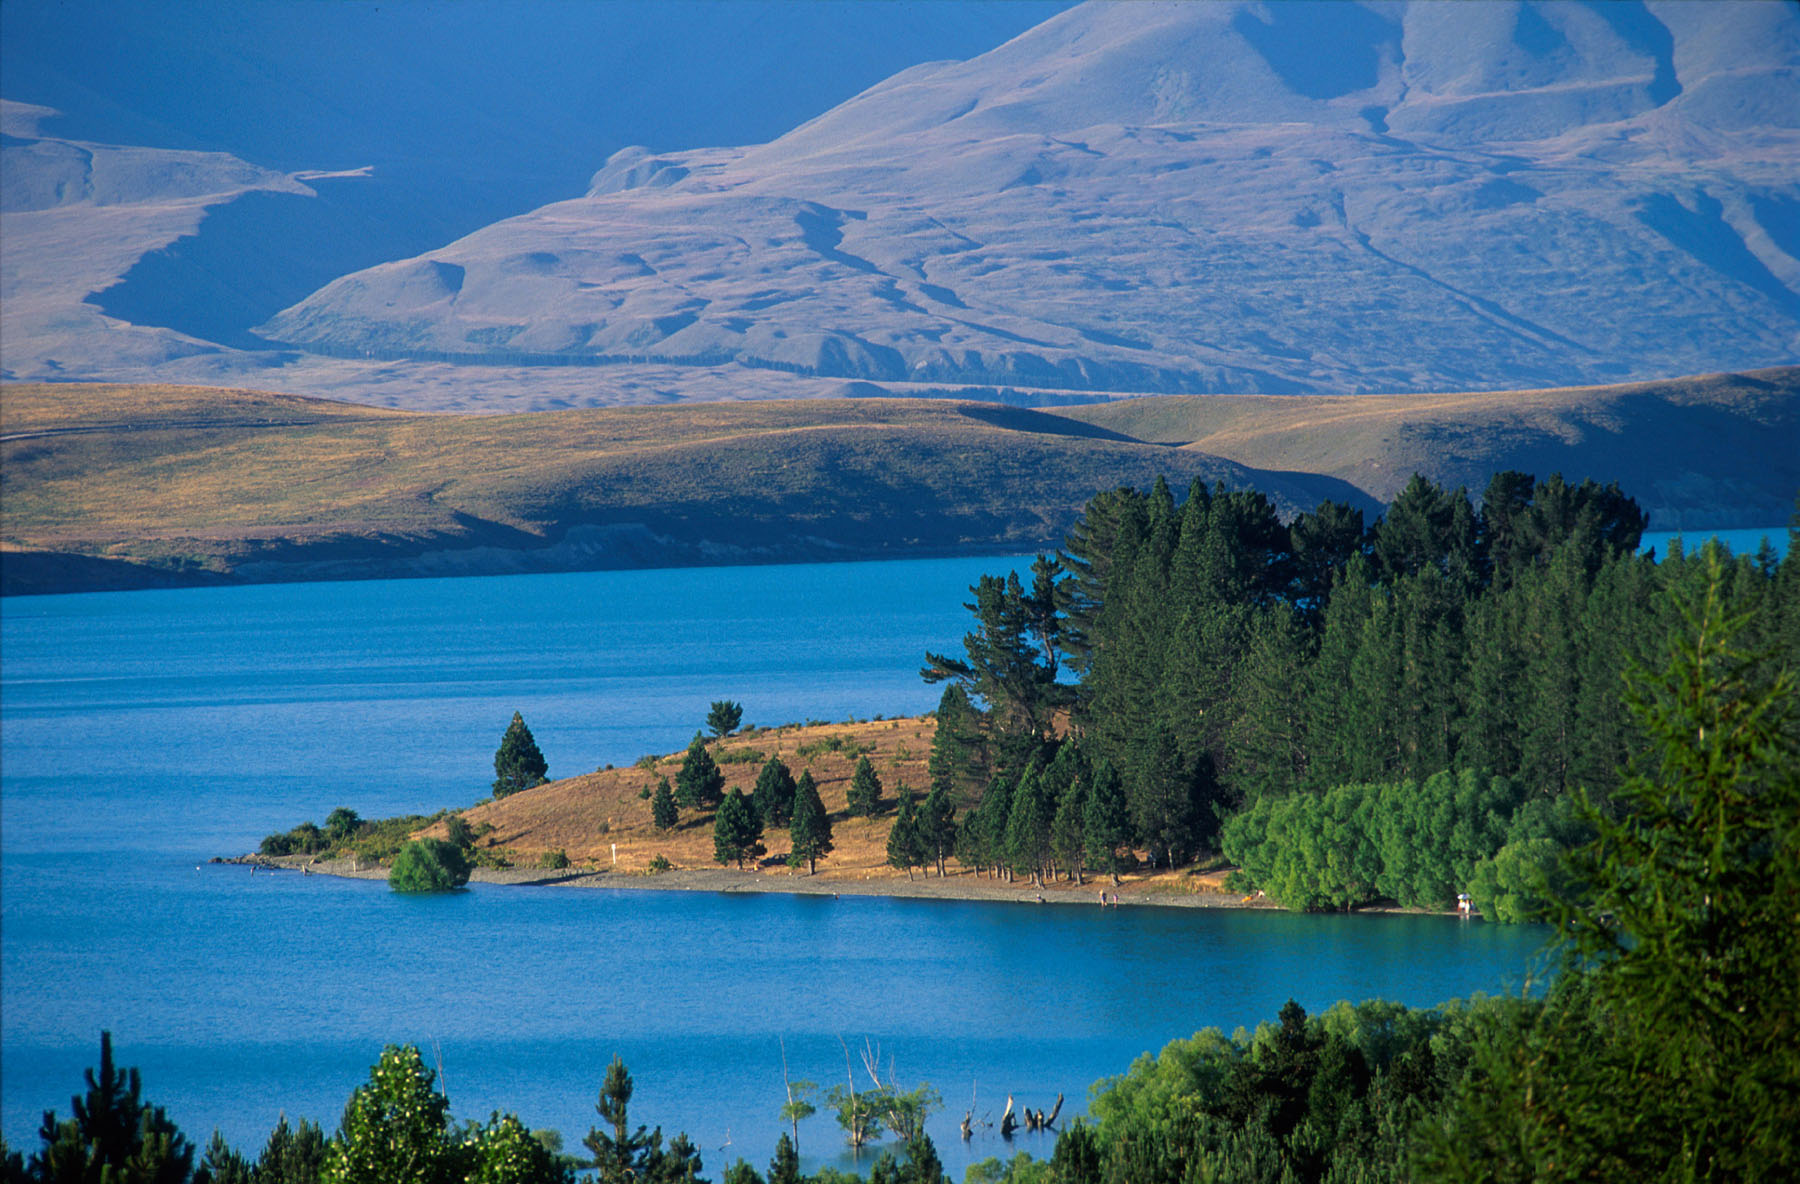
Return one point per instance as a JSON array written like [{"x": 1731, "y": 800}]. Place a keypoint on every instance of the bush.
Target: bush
[
  {"x": 743, "y": 756},
  {"x": 428, "y": 865},
  {"x": 660, "y": 864},
  {"x": 554, "y": 860}
]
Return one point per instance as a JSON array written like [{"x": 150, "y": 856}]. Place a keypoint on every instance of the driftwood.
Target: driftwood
[
  {"x": 1008, "y": 1123},
  {"x": 1037, "y": 1120}
]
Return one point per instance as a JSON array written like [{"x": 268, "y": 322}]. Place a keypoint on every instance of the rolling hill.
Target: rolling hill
[{"x": 117, "y": 486}]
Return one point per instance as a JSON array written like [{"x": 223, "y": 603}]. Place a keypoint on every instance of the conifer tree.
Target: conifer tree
[
  {"x": 517, "y": 763},
  {"x": 865, "y": 790},
  {"x": 773, "y": 796},
  {"x": 1106, "y": 827},
  {"x": 619, "y": 1151},
  {"x": 737, "y": 831},
  {"x": 906, "y": 846},
  {"x": 222, "y": 1164},
  {"x": 114, "y": 1134},
  {"x": 1028, "y": 821},
  {"x": 724, "y": 717},
  {"x": 811, "y": 829},
  {"x": 293, "y": 1155},
  {"x": 1068, "y": 838},
  {"x": 664, "y": 813},
  {"x": 699, "y": 784},
  {"x": 957, "y": 761},
  {"x": 937, "y": 825}
]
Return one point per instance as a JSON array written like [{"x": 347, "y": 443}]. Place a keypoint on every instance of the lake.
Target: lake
[{"x": 145, "y": 732}]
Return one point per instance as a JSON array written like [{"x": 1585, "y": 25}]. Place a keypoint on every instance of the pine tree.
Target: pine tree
[
  {"x": 773, "y": 796},
  {"x": 664, "y": 813},
  {"x": 811, "y": 829},
  {"x": 292, "y": 1155},
  {"x": 1069, "y": 830},
  {"x": 865, "y": 790},
  {"x": 223, "y": 1165},
  {"x": 1027, "y": 835},
  {"x": 517, "y": 763},
  {"x": 906, "y": 847},
  {"x": 785, "y": 1167},
  {"x": 737, "y": 831},
  {"x": 958, "y": 760},
  {"x": 114, "y": 1135},
  {"x": 618, "y": 1154},
  {"x": 1106, "y": 827},
  {"x": 699, "y": 784},
  {"x": 937, "y": 825},
  {"x": 724, "y": 717}
]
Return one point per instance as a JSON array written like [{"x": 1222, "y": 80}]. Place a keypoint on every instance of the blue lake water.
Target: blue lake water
[
  {"x": 145, "y": 732},
  {"x": 1743, "y": 541}
]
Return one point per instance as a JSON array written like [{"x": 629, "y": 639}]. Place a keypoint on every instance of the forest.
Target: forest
[{"x": 1347, "y": 714}]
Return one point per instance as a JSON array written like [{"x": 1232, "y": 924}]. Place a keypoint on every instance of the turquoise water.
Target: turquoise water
[
  {"x": 144, "y": 732},
  {"x": 1744, "y": 541}
]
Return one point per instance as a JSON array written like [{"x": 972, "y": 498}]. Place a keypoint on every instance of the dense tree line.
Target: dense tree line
[{"x": 1276, "y": 688}]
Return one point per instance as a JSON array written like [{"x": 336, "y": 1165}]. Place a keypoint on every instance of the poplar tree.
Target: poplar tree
[
  {"x": 865, "y": 790},
  {"x": 810, "y": 831},
  {"x": 396, "y": 1128},
  {"x": 699, "y": 784},
  {"x": 517, "y": 763}
]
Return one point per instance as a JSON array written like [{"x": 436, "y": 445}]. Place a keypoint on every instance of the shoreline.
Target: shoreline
[{"x": 957, "y": 886}]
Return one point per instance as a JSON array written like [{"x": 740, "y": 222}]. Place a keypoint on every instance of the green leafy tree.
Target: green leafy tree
[
  {"x": 505, "y": 1152},
  {"x": 428, "y": 865},
  {"x": 773, "y": 796},
  {"x": 737, "y": 831},
  {"x": 810, "y": 831},
  {"x": 114, "y": 1135},
  {"x": 699, "y": 784},
  {"x": 865, "y": 790},
  {"x": 342, "y": 823},
  {"x": 293, "y": 1155},
  {"x": 664, "y": 813},
  {"x": 937, "y": 825},
  {"x": 724, "y": 717},
  {"x": 517, "y": 763},
  {"x": 906, "y": 847},
  {"x": 396, "y": 1128}
]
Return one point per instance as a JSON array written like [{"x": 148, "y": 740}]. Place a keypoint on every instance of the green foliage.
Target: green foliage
[
  {"x": 742, "y": 756},
  {"x": 724, "y": 717},
  {"x": 223, "y": 1165},
  {"x": 292, "y": 1155},
  {"x": 395, "y": 1129},
  {"x": 428, "y": 865},
  {"x": 737, "y": 831},
  {"x": 554, "y": 860},
  {"x": 517, "y": 762},
  {"x": 664, "y": 813},
  {"x": 773, "y": 796},
  {"x": 865, "y": 790},
  {"x": 810, "y": 831},
  {"x": 699, "y": 785},
  {"x": 459, "y": 833},
  {"x": 305, "y": 839},
  {"x": 342, "y": 823},
  {"x": 624, "y": 1156},
  {"x": 1673, "y": 1053},
  {"x": 906, "y": 847},
  {"x": 660, "y": 864},
  {"x": 114, "y": 1135},
  {"x": 504, "y": 1152},
  {"x": 836, "y": 742},
  {"x": 958, "y": 760},
  {"x": 937, "y": 825}
]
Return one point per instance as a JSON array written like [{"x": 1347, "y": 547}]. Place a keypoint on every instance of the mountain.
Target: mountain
[
  {"x": 1281, "y": 198},
  {"x": 1125, "y": 198}
]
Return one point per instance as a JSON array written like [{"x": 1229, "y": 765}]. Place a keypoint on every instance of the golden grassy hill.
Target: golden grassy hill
[
  {"x": 114, "y": 485},
  {"x": 586, "y": 816},
  {"x": 1709, "y": 451}
]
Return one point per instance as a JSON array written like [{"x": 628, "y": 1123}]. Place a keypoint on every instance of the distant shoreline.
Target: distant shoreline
[{"x": 959, "y": 886}]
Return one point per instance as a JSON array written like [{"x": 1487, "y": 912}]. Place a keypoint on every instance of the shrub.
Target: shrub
[
  {"x": 554, "y": 860},
  {"x": 428, "y": 865},
  {"x": 743, "y": 756},
  {"x": 660, "y": 864}
]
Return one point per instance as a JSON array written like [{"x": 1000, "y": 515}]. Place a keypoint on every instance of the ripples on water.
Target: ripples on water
[{"x": 144, "y": 732}]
